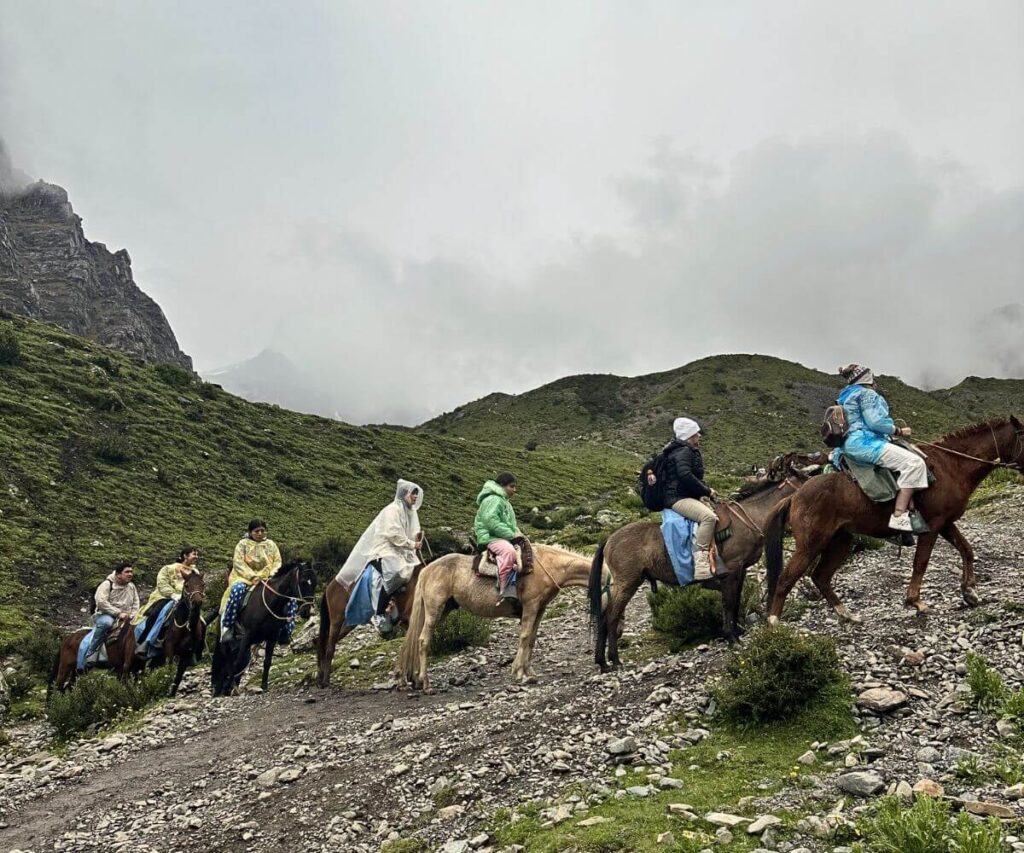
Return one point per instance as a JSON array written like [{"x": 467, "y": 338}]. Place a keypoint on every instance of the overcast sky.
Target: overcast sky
[{"x": 423, "y": 202}]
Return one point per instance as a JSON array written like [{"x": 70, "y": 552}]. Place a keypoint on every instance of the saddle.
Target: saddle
[
  {"x": 723, "y": 527},
  {"x": 484, "y": 563}
]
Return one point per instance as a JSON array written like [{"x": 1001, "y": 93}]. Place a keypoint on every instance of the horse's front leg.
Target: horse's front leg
[
  {"x": 182, "y": 666},
  {"x": 925, "y": 543},
  {"x": 268, "y": 656},
  {"x": 732, "y": 593},
  {"x": 527, "y": 636},
  {"x": 951, "y": 533}
]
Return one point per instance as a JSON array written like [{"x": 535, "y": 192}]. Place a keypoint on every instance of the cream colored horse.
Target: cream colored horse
[{"x": 450, "y": 583}]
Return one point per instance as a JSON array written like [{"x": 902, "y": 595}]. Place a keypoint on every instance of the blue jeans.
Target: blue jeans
[{"x": 102, "y": 623}]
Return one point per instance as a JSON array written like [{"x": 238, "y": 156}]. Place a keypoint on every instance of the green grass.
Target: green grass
[
  {"x": 926, "y": 827},
  {"x": 103, "y": 456},
  {"x": 761, "y": 760}
]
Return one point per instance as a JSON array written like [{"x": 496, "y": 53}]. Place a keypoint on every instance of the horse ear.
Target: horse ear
[{"x": 1016, "y": 423}]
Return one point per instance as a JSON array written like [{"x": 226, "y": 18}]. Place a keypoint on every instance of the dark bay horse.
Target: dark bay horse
[
  {"x": 826, "y": 513},
  {"x": 183, "y": 634},
  {"x": 260, "y": 621},
  {"x": 333, "y": 626},
  {"x": 636, "y": 553},
  {"x": 120, "y": 654}
]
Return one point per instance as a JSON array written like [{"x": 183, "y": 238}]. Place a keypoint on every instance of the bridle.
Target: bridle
[
  {"x": 194, "y": 599},
  {"x": 265, "y": 585}
]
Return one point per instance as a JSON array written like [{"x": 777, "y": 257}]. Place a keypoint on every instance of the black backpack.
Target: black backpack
[{"x": 653, "y": 496}]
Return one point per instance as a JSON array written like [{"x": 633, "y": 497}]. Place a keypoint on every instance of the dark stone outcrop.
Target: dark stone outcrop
[{"x": 50, "y": 272}]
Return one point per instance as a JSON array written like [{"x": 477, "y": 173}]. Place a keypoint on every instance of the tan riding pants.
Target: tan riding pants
[{"x": 694, "y": 510}]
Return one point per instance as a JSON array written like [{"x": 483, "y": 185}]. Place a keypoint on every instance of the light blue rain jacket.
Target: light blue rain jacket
[{"x": 870, "y": 426}]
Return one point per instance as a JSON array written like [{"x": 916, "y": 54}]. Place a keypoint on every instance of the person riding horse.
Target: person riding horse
[
  {"x": 685, "y": 490},
  {"x": 256, "y": 559},
  {"x": 390, "y": 545},
  {"x": 495, "y": 526},
  {"x": 169, "y": 582},
  {"x": 117, "y": 600},
  {"x": 868, "y": 440}
]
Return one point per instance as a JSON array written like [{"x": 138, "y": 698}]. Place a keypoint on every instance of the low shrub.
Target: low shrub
[
  {"x": 292, "y": 481},
  {"x": 686, "y": 615},
  {"x": 986, "y": 685},
  {"x": 109, "y": 366},
  {"x": 10, "y": 347},
  {"x": 926, "y": 827},
  {"x": 171, "y": 374},
  {"x": 457, "y": 631},
  {"x": 39, "y": 649},
  {"x": 111, "y": 445},
  {"x": 779, "y": 672},
  {"x": 98, "y": 699}
]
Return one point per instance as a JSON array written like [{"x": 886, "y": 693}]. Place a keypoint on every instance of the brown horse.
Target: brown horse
[
  {"x": 826, "y": 513},
  {"x": 333, "y": 626},
  {"x": 120, "y": 654},
  {"x": 450, "y": 583},
  {"x": 183, "y": 634},
  {"x": 637, "y": 552}
]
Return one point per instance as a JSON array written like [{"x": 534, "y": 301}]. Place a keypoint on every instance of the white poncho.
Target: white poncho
[{"x": 391, "y": 536}]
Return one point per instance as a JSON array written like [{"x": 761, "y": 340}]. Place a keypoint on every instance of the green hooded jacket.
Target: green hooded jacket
[{"x": 495, "y": 518}]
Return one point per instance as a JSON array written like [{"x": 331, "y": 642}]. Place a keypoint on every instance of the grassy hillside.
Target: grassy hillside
[
  {"x": 103, "y": 456},
  {"x": 751, "y": 407}
]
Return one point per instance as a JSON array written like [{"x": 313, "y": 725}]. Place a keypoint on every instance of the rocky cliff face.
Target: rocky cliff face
[{"x": 49, "y": 271}]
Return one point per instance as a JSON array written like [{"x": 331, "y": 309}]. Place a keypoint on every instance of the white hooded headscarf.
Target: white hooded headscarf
[
  {"x": 396, "y": 515},
  {"x": 685, "y": 428}
]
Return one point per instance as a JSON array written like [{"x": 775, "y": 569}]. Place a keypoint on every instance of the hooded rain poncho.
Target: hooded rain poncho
[{"x": 390, "y": 538}]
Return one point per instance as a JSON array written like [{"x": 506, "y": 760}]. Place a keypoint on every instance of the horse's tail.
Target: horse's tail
[
  {"x": 408, "y": 657},
  {"x": 325, "y": 627},
  {"x": 595, "y": 587},
  {"x": 774, "y": 533}
]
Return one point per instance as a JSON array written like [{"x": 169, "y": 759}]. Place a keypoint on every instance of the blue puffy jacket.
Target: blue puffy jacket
[{"x": 870, "y": 426}]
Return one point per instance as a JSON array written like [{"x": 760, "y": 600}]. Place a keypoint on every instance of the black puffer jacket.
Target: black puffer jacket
[{"x": 684, "y": 473}]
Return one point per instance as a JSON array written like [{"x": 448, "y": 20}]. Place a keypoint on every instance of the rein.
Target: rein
[
  {"x": 263, "y": 594},
  {"x": 540, "y": 566},
  {"x": 1015, "y": 466}
]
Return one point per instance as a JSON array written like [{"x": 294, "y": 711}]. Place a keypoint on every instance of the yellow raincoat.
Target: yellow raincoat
[
  {"x": 169, "y": 583},
  {"x": 252, "y": 560}
]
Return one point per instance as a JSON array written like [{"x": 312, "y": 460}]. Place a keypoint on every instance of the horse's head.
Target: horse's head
[
  {"x": 1016, "y": 455},
  {"x": 193, "y": 590},
  {"x": 305, "y": 584}
]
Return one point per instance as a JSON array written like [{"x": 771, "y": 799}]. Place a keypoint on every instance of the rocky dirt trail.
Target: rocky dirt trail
[{"x": 351, "y": 769}]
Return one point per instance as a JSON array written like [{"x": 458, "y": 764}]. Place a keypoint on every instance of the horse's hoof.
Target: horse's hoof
[
  {"x": 918, "y": 605},
  {"x": 847, "y": 615},
  {"x": 971, "y": 597},
  {"x": 530, "y": 678},
  {"x": 773, "y": 620}
]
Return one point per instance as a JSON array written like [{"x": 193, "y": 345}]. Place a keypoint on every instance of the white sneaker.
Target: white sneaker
[
  {"x": 901, "y": 523},
  {"x": 701, "y": 565}
]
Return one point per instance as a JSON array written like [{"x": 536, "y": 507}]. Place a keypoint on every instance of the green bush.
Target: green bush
[
  {"x": 171, "y": 374},
  {"x": 987, "y": 689},
  {"x": 98, "y": 699},
  {"x": 292, "y": 481},
  {"x": 686, "y": 615},
  {"x": 926, "y": 827},
  {"x": 111, "y": 445},
  {"x": 457, "y": 631},
  {"x": 779, "y": 672},
  {"x": 39, "y": 649},
  {"x": 10, "y": 347}
]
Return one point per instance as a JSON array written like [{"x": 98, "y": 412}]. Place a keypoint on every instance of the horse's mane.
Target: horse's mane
[
  {"x": 287, "y": 567},
  {"x": 974, "y": 430},
  {"x": 563, "y": 549},
  {"x": 755, "y": 487}
]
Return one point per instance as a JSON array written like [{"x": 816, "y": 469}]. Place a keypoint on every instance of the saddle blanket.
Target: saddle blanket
[
  {"x": 362, "y": 600},
  {"x": 679, "y": 533}
]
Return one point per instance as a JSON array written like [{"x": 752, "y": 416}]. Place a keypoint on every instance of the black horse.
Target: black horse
[
  {"x": 183, "y": 634},
  {"x": 260, "y": 621}
]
